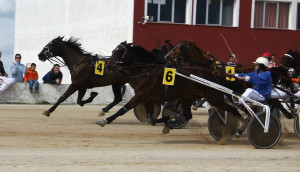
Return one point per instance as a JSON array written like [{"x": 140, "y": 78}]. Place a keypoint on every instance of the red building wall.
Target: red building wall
[{"x": 247, "y": 43}]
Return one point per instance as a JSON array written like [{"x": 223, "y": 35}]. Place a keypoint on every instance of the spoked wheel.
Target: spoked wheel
[
  {"x": 141, "y": 113},
  {"x": 256, "y": 135},
  {"x": 174, "y": 112},
  {"x": 222, "y": 125},
  {"x": 296, "y": 126}
]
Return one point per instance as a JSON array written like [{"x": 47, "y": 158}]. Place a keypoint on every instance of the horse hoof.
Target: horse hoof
[
  {"x": 152, "y": 122},
  {"x": 46, "y": 113},
  {"x": 101, "y": 113},
  {"x": 102, "y": 122},
  {"x": 165, "y": 130}
]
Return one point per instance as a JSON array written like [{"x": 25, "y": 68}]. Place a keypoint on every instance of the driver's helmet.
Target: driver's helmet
[{"x": 262, "y": 60}]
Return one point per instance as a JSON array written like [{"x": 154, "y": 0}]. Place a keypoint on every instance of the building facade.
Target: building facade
[{"x": 250, "y": 27}]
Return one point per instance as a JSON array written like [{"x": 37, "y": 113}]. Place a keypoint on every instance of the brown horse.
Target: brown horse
[
  {"x": 150, "y": 89},
  {"x": 188, "y": 51},
  {"x": 82, "y": 68}
]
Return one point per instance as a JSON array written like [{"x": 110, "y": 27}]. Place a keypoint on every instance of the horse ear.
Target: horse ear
[
  {"x": 130, "y": 44},
  {"x": 125, "y": 42}
]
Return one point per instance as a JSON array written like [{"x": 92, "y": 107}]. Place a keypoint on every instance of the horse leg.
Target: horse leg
[
  {"x": 81, "y": 93},
  {"x": 187, "y": 114},
  {"x": 117, "y": 98},
  {"x": 150, "y": 109},
  {"x": 276, "y": 103},
  {"x": 136, "y": 100},
  {"x": 70, "y": 91}
]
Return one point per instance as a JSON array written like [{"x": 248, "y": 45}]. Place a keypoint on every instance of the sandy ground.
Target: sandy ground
[{"x": 70, "y": 140}]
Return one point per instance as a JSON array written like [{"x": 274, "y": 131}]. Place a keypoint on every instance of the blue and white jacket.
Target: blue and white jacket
[
  {"x": 262, "y": 82},
  {"x": 17, "y": 71}
]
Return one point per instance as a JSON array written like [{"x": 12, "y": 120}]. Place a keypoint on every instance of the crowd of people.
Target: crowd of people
[{"x": 27, "y": 74}]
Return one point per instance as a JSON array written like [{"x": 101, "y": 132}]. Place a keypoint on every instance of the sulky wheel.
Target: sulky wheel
[
  {"x": 256, "y": 135},
  {"x": 141, "y": 113},
  {"x": 222, "y": 125},
  {"x": 296, "y": 126},
  {"x": 174, "y": 112}
]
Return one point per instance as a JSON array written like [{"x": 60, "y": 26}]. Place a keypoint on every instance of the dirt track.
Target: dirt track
[{"x": 71, "y": 141}]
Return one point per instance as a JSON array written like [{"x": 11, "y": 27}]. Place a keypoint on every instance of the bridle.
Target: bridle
[
  {"x": 124, "y": 55},
  {"x": 50, "y": 55},
  {"x": 178, "y": 59},
  {"x": 290, "y": 57}
]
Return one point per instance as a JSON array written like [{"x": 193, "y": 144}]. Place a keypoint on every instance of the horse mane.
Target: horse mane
[
  {"x": 146, "y": 56},
  {"x": 206, "y": 55},
  {"x": 75, "y": 45}
]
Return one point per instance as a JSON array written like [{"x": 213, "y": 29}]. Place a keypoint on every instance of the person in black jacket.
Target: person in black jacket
[
  {"x": 2, "y": 71},
  {"x": 54, "y": 76},
  {"x": 5, "y": 82}
]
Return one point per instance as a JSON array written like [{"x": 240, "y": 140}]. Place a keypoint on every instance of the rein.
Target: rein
[{"x": 58, "y": 61}]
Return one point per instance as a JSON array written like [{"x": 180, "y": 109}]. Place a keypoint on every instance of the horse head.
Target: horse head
[
  {"x": 186, "y": 52},
  {"x": 290, "y": 59},
  {"x": 125, "y": 54},
  {"x": 118, "y": 55},
  {"x": 52, "y": 49}
]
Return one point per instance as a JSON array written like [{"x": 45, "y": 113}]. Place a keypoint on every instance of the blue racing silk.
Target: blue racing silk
[{"x": 262, "y": 82}]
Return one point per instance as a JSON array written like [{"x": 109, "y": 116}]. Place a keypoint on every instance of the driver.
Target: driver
[{"x": 261, "y": 80}]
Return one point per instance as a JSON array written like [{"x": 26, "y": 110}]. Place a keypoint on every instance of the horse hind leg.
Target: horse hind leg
[
  {"x": 131, "y": 104},
  {"x": 90, "y": 99},
  {"x": 81, "y": 93},
  {"x": 108, "y": 120},
  {"x": 184, "y": 118},
  {"x": 117, "y": 88},
  {"x": 150, "y": 110}
]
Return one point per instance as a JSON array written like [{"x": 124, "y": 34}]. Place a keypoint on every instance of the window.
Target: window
[
  {"x": 167, "y": 10},
  {"x": 271, "y": 14},
  {"x": 214, "y": 12}
]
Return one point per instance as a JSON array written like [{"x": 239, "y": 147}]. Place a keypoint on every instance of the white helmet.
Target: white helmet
[{"x": 262, "y": 60}]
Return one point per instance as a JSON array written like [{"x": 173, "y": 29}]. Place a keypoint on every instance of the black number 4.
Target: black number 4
[{"x": 99, "y": 68}]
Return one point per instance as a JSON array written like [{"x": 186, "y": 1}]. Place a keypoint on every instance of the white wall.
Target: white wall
[
  {"x": 100, "y": 24},
  {"x": 50, "y": 93}
]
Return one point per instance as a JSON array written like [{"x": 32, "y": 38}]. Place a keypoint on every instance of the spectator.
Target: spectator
[
  {"x": 18, "y": 69},
  {"x": 272, "y": 61},
  {"x": 2, "y": 71},
  {"x": 32, "y": 78},
  {"x": 267, "y": 55},
  {"x": 4, "y": 81},
  {"x": 54, "y": 76},
  {"x": 232, "y": 60}
]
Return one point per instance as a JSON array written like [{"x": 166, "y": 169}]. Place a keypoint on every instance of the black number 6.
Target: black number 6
[{"x": 169, "y": 77}]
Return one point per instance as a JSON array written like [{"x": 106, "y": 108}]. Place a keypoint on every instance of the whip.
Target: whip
[{"x": 228, "y": 47}]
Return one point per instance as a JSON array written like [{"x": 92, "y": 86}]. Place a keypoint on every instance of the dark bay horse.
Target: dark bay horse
[
  {"x": 150, "y": 89},
  {"x": 82, "y": 68},
  {"x": 276, "y": 72}
]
